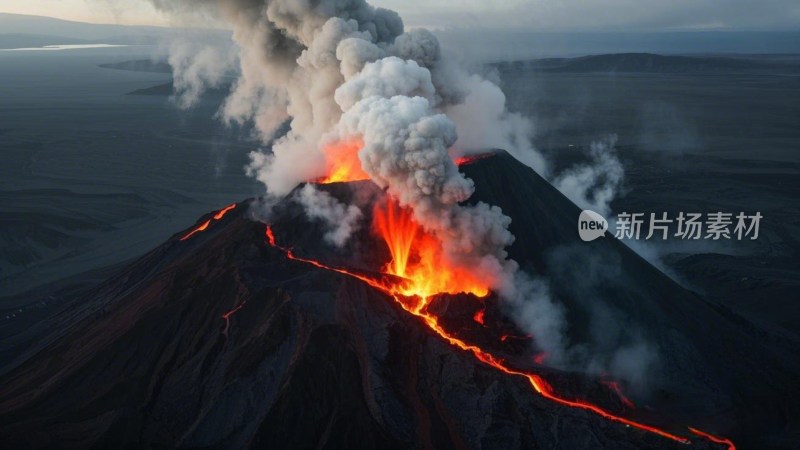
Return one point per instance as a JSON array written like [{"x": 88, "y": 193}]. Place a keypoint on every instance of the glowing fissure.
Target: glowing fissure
[
  {"x": 417, "y": 305},
  {"x": 527, "y": 337},
  {"x": 479, "y": 317},
  {"x": 342, "y": 162},
  {"x": 465, "y": 160},
  {"x": 227, "y": 317},
  {"x": 204, "y": 226},
  {"x": 419, "y": 258}
]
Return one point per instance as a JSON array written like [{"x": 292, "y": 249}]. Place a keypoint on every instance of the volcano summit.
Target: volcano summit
[{"x": 241, "y": 334}]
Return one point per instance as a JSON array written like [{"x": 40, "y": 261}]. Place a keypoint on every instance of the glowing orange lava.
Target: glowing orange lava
[
  {"x": 478, "y": 317},
  {"x": 415, "y": 258},
  {"x": 419, "y": 258},
  {"x": 343, "y": 163},
  {"x": 227, "y": 317},
  {"x": 222, "y": 212},
  {"x": 465, "y": 160},
  {"x": 204, "y": 226}
]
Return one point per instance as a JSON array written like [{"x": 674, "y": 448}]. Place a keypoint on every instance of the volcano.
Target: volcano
[{"x": 240, "y": 334}]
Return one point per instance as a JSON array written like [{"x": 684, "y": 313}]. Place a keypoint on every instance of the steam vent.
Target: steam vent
[{"x": 241, "y": 334}]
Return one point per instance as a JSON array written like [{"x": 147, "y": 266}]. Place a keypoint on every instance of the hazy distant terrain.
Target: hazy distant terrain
[
  {"x": 695, "y": 134},
  {"x": 140, "y": 65},
  {"x": 93, "y": 177},
  {"x": 21, "y": 31},
  {"x": 21, "y": 40},
  {"x": 666, "y": 64},
  {"x": 748, "y": 112},
  {"x": 20, "y": 23}
]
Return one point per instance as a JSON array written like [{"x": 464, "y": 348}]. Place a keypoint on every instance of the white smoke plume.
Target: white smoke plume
[
  {"x": 483, "y": 122},
  {"x": 389, "y": 104},
  {"x": 196, "y": 68},
  {"x": 340, "y": 220},
  {"x": 595, "y": 184},
  {"x": 340, "y": 70}
]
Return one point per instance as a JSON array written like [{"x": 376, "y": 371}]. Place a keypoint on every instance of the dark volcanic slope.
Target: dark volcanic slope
[
  {"x": 730, "y": 375},
  {"x": 219, "y": 341}
]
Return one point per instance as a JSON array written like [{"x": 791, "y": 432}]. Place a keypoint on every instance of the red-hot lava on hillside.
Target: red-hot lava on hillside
[
  {"x": 204, "y": 226},
  {"x": 418, "y": 257},
  {"x": 342, "y": 162},
  {"x": 203, "y": 328},
  {"x": 419, "y": 273},
  {"x": 372, "y": 100},
  {"x": 343, "y": 165}
]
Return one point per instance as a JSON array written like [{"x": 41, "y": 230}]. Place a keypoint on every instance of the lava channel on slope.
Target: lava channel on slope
[{"x": 416, "y": 276}]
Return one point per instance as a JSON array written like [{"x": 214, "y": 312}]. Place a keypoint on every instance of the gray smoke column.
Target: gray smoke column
[
  {"x": 197, "y": 67},
  {"x": 293, "y": 55},
  {"x": 344, "y": 71},
  {"x": 339, "y": 219}
]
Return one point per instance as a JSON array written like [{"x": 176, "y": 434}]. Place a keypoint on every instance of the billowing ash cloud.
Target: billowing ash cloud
[
  {"x": 342, "y": 70},
  {"x": 339, "y": 219},
  {"x": 293, "y": 55},
  {"x": 390, "y": 105}
]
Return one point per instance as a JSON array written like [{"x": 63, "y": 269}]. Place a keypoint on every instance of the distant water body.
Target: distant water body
[{"x": 62, "y": 47}]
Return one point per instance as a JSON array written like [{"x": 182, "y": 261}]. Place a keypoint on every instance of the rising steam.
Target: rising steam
[
  {"x": 346, "y": 74},
  {"x": 595, "y": 184},
  {"x": 340, "y": 220}
]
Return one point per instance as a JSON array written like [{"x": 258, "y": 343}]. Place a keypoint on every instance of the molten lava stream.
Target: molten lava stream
[
  {"x": 417, "y": 261},
  {"x": 465, "y": 160},
  {"x": 342, "y": 162},
  {"x": 204, "y": 226},
  {"x": 227, "y": 317},
  {"x": 418, "y": 257}
]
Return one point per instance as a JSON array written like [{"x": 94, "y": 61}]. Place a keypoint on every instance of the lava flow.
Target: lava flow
[
  {"x": 343, "y": 163},
  {"x": 479, "y": 317},
  {"x": 412, "y": 249},
  {"x": 204, "y": 226},
  {"x": 227, "y": 318},
  {"x": 419, "y": 258}
]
